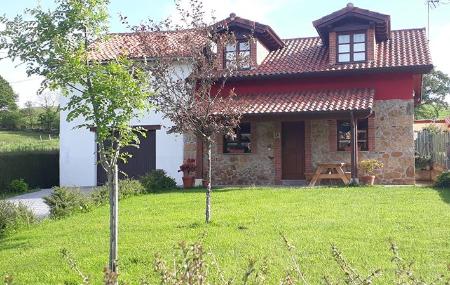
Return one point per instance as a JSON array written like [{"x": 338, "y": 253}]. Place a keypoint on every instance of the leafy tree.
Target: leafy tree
[
  {"x": 11, "y": 119},
  {"x": 435, "y": 95},
  {"x": 58, "y": 45},
  {"x": 30, "y": 115},
  {"x": 194, "y": 98},
  {"x": 7, "y": 96},
  {"x": 49, "y": 118}
]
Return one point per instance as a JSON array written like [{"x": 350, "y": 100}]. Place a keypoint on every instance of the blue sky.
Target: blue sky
[{"x": 289, "y": 18}]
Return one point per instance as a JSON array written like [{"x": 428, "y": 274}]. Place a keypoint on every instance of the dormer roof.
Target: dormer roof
[
  {"x": 351, "y": 15},
  {"x": 264, "y": 33}
]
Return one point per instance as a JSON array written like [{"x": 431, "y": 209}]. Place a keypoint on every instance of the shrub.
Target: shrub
[
  {"x": 370, "y": 165},
  {"x": 14, "y": 216},
  {"x": 65, "y": 202},
  {"x": 157, "y": 180},
  {"x": 443, "y": 180},
  {"x": 18, "y": 186},
  {"x": 127, "y": 188}
]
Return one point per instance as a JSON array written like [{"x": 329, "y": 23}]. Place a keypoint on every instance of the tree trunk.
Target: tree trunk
[
  {"x": 113, "y": 181},
  {"x": 208, "y": 189}
]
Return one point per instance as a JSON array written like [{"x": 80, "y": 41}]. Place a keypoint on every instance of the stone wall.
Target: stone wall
[
  {"x": 256, "y": 168},
  {"x": 394, "y": 142}
]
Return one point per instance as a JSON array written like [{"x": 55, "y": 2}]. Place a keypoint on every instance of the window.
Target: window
[
  {"x": 241, "y": 143},
  {"x": 237, "y": 55},
  {"x": 344, "y": 135},
  {"x": 351, "y": 47}
]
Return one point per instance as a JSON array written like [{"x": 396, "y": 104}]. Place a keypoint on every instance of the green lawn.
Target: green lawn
[
  {"x": 22, "y": 141},
  {"x": 247, "y": 223}
]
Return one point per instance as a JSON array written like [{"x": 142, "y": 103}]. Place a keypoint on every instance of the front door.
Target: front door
[{"x": 293, "y": 150}]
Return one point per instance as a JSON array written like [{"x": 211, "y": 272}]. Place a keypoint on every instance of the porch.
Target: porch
[{"x": 283, "y": 137}]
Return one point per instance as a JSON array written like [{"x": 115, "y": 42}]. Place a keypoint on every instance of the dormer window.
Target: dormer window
[
  {"x": 237, "y": 55},
  {"x": 351, "y": 47}
]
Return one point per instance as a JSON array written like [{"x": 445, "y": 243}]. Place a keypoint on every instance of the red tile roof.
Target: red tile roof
[
  {"x": 307, "y": 101},
  {"x": 406, "y": 48},
  {"x": 132, "y": 45}
]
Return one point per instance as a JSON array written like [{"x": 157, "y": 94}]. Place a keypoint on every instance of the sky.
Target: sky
[{"x": 288, "y": 18}]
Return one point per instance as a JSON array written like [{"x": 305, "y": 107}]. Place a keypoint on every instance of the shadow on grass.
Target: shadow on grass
[
  {"x": 444, "y": 193},
  {"x": 201, "y": 190},
  {"x": 13, "y": 242}
]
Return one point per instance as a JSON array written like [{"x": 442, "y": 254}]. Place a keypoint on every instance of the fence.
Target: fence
[{"x": 435, "y": 146}]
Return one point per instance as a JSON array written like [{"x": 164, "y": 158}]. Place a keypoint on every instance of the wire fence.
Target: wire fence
[{"x": 434, "y": 146}]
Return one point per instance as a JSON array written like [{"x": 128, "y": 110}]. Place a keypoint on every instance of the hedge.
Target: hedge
[{"x": 40, "y": 169}]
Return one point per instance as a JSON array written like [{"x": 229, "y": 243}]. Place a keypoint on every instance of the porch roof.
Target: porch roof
[{"x": 308, "y": 101}]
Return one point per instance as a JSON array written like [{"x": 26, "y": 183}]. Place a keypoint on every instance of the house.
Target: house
[
  {"x": 306, "y": 100},
  {"x": 347, "y": 94},
  {"x": 442, "y": 124},
  {"x": 158, "y": 150}
]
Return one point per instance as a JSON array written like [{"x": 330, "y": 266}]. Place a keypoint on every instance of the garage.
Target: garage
[{"x": 143, "y": 160}]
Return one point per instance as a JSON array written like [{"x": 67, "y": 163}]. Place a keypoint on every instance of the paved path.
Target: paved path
[{"x": 35, "y": 201}]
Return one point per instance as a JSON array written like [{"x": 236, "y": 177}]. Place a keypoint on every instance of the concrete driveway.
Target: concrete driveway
[{"x": 35, "y": 202}]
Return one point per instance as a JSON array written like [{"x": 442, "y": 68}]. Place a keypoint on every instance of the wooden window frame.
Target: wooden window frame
[
  {"x": 238, "y": 140},
  {"x": 364, "y": 131},
  {"x": 237, "y": 52},
  {"x": 351, "y": 43}
]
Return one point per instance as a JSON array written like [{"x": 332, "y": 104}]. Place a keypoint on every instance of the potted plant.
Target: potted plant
[
  {"x": 369, "y": 166},
  {"x": 188, "y": 168}
]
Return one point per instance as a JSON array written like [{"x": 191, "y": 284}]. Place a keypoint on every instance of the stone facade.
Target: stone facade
[
  {"x": 391, "y": 140},
  {"x": 394, "y": 142}
]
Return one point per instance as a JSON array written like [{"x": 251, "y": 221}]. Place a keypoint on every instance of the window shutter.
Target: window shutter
[
  {"x": 371, "y": 133},
  {"x": 332, "y": 135}
]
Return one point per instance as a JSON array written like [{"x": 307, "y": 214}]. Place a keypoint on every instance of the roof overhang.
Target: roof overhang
[
  {"x": 351, "y": 15},
  {"x": 308, "y": 102},
  {"x": 262, "y": 32}
]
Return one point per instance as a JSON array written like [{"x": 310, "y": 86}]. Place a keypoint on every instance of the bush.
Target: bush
[
  {"x": 18, "y": 186},
  {"x": 157, "y": 180},
  {"x": 443, "y": 180},
  {"x": 127, "y": 188},
  {"x": 66, "y": 201},
  {"x": 14, "y": 216}
]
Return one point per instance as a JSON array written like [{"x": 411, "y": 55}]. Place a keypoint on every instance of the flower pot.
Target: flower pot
[
  {"x": 368, "y": 179},
  {"x": 205, "y": 183},
  {"x": 188, "y": 182}
]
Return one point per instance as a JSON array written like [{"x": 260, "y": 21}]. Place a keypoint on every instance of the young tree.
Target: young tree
[
  {"x": 195, "y": 97},
  {"x": 58, "y": 44},
  {"x": 435, "y": 95}
]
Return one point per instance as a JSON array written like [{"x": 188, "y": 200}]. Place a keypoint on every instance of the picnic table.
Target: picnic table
[{"x": 329, "y": 171}]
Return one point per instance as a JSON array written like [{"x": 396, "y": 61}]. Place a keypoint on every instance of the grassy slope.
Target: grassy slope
[
  {"x": 18, "y": 140},
  {"x": 246, "y": 224}
]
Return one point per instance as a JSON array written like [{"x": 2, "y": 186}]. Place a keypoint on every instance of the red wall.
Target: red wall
[{"x": 387, "y": 85}]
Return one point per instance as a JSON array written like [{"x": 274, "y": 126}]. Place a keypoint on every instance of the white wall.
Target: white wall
[{"x": 78, "y": 149}]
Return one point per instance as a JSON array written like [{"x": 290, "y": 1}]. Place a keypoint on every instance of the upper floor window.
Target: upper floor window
[
  {"x": 237, "y": 55},
  {"x": 351, "y": 47}
]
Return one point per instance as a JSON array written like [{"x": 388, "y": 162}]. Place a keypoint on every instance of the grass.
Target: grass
[
  {"x": 246, "y": 223},
  {"x": 12, "y": 141}
]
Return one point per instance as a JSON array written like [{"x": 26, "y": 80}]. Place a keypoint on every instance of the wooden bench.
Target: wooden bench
[{"x": 330, "y": 171}]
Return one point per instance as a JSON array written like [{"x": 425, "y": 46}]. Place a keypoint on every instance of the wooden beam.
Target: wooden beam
[{"x": 354, "y": 145}]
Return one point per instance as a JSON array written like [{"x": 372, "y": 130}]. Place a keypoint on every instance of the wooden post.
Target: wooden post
[
  {"x": 354, "y": 145},
  {"x": 114, "y": 222}
]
